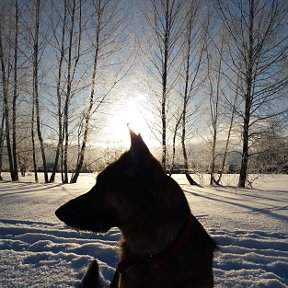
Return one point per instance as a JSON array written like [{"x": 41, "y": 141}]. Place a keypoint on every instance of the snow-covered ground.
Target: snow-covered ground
[{"x": 37, "y": 250}]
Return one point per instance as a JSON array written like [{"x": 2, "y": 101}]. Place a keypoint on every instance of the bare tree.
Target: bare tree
[
  {"x": 36, "y": 86},
  {"x": 214, "y": 105},
  {"x": 68, "y": 47},
  {"x": 194, "y": 49},
  {"x": 15, "y": 91},
  {"x": 219, "y": 110},
  {"x": 164, "y": 19},
  {"x": 230, "y": 116},
  {"x": 1, "y": 142},
  {"x": 35, "y": 167},
  {"x": 71, "y": 68},
  {"x": 15, "y": 58},
  {"x": 5, "y": 66},
  {"x": 258, "y": 46},
  {"x": 106, "y": 43},
  {"x": 61, "y": 49},
  {"x": 175, "y": 134}
]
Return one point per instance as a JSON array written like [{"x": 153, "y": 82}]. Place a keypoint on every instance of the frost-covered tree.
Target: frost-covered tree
[
  {"x": 258, "y": 42},
  {"x": 165, "y": 21}
]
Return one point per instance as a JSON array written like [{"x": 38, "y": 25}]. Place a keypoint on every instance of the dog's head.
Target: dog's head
[{"x": 120, "y": 195}]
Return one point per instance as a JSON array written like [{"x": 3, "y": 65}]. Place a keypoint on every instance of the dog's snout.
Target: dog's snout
[
  {"x": 86, "y": 214},
  {"x": 72, "y": 209},
  {"x": 67, "y": 215},
  {"x": 60, "y": 214},
  {"x": 74, "y": 213},
  {"x": 65, "y": 212}
]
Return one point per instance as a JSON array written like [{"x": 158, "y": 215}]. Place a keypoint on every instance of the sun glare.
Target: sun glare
[{"x": 129, "y": 113}]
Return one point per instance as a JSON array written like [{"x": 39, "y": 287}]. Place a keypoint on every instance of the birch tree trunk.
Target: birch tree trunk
[
  {"x": 34, "y": 158},
  {"x": 36, "y": 88},
  {"x": 68, "y": 95},
  {"x": 193, "y": 57},
  {"x": 215, "y": 110},
  {"x": 59, "y": 148},
  {"x": 1, "y": 144},
  {"x": 6, "y": 108},
  {"x": 15, "y": 93}
]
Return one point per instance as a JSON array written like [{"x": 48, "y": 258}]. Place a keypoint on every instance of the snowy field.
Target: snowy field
[{"x": 37, "y": 250}]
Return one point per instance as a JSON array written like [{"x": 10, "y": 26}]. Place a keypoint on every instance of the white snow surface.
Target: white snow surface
[{"x": 250, "y": 226}]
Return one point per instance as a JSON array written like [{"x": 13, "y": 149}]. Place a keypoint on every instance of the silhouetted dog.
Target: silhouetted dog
[{"x": 163, "y": 245}]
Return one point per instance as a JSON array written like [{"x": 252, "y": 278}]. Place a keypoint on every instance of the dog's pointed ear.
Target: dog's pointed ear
[{"x": 138, "y": 150}]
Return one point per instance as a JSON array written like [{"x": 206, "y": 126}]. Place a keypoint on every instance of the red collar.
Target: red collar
[{"x": 162, "y": 258}]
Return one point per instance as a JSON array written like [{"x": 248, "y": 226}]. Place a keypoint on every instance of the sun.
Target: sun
[{"x": 130, "y": 112}]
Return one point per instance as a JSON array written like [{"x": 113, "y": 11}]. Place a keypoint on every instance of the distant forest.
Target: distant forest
[{"x": 212, "y": 77}]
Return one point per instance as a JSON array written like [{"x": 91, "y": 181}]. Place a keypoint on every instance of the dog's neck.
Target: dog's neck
[{"x": 158, "y": 241}]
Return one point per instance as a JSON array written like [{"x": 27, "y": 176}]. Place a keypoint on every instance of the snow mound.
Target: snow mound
[
  {"x": 251, "y": 259},
  {"x": 35, "y": 254}
]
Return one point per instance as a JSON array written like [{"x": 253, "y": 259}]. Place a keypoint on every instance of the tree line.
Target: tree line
[
  {"x": 216, "y": 68},
  {"x": 59, "y": 62}
]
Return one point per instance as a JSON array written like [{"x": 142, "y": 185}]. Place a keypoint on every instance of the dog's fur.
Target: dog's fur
[{"x": 136, "y": 195}]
